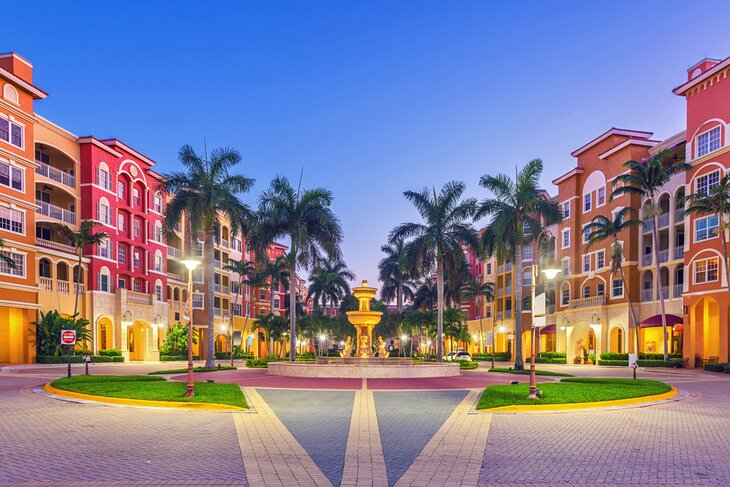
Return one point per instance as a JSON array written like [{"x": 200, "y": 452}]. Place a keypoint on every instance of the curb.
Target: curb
[
  {"x": 119, "y": 401},
  {"x": 634, "y": 402}
]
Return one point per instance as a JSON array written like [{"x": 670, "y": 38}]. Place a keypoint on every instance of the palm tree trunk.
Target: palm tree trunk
[
  {"x": 631, "y": 310},
  {"x": 209, "y": 280},
  {"x": 517, "y": 305},
  {"x": 293, "y": 301},
  {"x": 271, "y": 296},
  {"x": 724, "y": 255},
  {"x": 660, "y": 284},
  {"x": 78, "y": 281},
  {"x": 440, "y": 308},
  {"x": 233, "y": 319},
  {"x": 481, "y": 334},
  {"x": 399, "y": 299}
]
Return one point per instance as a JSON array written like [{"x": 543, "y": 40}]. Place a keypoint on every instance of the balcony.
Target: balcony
[
  {"x": 46, "y": 283},
  {"x": 56, "y": 212},
  {"x": 138, "y": 297},
  {"x": 56, "y": 174},
  {"x": 679, "y": 252},
  {"x": 664, "y": 220},
  {"x": 646, "y": 259},
  {"x": 508, "y": 314},
  {"x": 678, "y": 215},
  {"x": 225, "y": 244},
  {"x": 220, "y": 288},
  {"x": 587, "y": 302},
  {"x": 174, "y": 253},
  {"x": 663, "y": 256},
  {"x": 173, "y": 275},
  {"x": 648, "y": 225},
  {"x": 50, "y": 244},
  {"x": 79, "y": 287},
  {"x": 647, "y": 295},
  {"x": 663, "y": 293},
  {"x": 62, "y": 287},
  {"x": 677, "y": 290}
]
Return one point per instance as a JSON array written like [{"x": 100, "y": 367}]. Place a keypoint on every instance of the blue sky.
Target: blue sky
[{"x": 370, "y": 98}]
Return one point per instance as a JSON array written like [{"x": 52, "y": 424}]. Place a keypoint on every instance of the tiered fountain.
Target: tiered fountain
[{"x": 359, "y": 359}]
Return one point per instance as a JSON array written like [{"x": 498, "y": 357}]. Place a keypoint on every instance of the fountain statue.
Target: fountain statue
[{"x": 364, "y": 320}]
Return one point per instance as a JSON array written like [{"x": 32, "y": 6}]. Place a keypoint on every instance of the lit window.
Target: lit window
[
  {"x": 158, "y": 203},
  {"x": 105, "y": 249},
  {"x": 706, "y": 228},
  {"x": 601, "y": 197},
  {"x": 617, "y": 288},
  {"x": 102, "y": 177},
  {"x": 11, "y": 176},
  {"x": 526, "y": 230},
  {"x": 706, "y": 270},
  {"x": 705, "y": 183},
  {"x": 135, "y": 195},
  {"x": 158, "y": 232},
  {"x": 122, "y": 254},
  {"x": 137, "y": 286},
  {"x": 587, "y": 202},
  {"x": 121, "y": 190},
  {"x": 12, "y": 220},
  {"x": 121, "y": 222},
  {"x": 18, "y": 260},
  {"x": 158, "y": 261},
  {"x": 137, "y": 227},
  {"x": 103, "y": 213},
  {"x": 708, "y": 142}
]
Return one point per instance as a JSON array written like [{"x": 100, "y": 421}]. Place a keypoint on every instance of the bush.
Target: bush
[
  {"x": 48, "y": 333},
  {"x": 498, "y": 356},
  {"x": 463, "y": 365},
  {"x": 721, "y": 367},
  {"x": 673, "y": 362},
  {"x": 552, "y": 355},
  {"x": 172, "y": 358},
  {"x": 76, "y": 359},
  {"x": 548, "y": 360},
  {"x": 237, "y": 355},
  {"x": 727, "y": 368},
  {"x": 257, "y": 363},
  {"x": 111, "y": 353},
  {"x": 624, "y": 363}
]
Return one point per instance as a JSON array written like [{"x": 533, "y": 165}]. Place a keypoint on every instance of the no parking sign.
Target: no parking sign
[{"x": 68, "y": 337}]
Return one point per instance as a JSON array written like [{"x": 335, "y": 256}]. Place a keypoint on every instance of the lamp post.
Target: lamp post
[
  {"x": 494, "y": 335},
  {"x": 191, "y": 265},
  {"x": 550, "y": 273}
]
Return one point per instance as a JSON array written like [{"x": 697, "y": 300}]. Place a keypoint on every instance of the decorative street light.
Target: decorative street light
[{"x": 191, "y": 265}]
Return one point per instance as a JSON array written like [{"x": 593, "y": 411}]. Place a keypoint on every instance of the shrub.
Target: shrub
[
  {"x": 463, "y": 365},
  {"x": 172, "y": 358},
  {"x": 624, "y": 363},
  {"x": 111, "y": 353},
  {"x": 722, "y": 367},
  {"x": 552, "y": 355},
  {"x": 237, "y": 355},
  {"x": 176, "y": 340},
  {"x": 48, "y": 333},
  {"x": 76, "y": 359},
  {"x": 257, "y": 363},
  {"x": 498, "y": 356}
]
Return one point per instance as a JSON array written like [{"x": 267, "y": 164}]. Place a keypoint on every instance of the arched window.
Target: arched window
[
  {"x": 158, "y": 261},
  {"x": 44, "y": 268},
  {"x": 158, "y": 290},
  {"x": 105, "y": 284},
  {"x": 158, "y": 205},
  {"x": 103, "y": 178},
  {"x": 564, "y": 294},
  {"x": 157, "y": 234},
  {"x": 103, "y": 212},
  {"x": 10, "y": 93}
]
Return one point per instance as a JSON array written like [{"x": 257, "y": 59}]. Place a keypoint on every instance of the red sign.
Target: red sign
[{"x": 68, "y": 337}]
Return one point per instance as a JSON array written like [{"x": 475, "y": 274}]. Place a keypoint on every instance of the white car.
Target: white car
[{"x": 458, "y": 356}]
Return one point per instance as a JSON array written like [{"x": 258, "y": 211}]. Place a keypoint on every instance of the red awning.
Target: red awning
[
  {"x": 548, "y": 330},
  {"x": 656, "y": 320}
]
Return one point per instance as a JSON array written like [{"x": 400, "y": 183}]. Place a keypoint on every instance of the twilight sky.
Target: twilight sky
[{"x": 370, "y": 98}]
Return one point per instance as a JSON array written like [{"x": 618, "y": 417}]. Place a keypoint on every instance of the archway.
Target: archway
[
  {"x": 616, "y": 344},
  {"x": 706, "y": 328},
  {"x": 526, "y": 345},
  {"x": 221, "y": 343},
  {"x": 138, "y": 339},
  {"x": 105, "y": 333}
]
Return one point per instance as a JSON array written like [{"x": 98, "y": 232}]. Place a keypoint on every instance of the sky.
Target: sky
[{"x": 370, "y": 98}]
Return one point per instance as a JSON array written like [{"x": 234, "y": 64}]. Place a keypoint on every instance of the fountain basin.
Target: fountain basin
[{"x": 364, "y": 369}]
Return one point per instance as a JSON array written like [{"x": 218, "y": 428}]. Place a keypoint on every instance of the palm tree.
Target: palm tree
[
  {"x": 254, "y": 281},
  {"x": 426, "y": 295},
  {"x": 305, "y": 217},
  {"x": 205, "y": 194},
  {"x": 79, "y": 240},
  {"x": 714, "y": 202},
  {"x": 602, "y": 228},
  {"x": 646, "y": 179},
  {"x": 329, "y": 283},
  {"x": 438, "y": 241},
  {"x": 518, "y": 212},
  {"x": 393, "y": 272},
  {"x": 276, "y": 272},
  {"x": 8, "y": 261},
  {"x": 242, "y": 269},
  {"x": 481, "y": 291}
]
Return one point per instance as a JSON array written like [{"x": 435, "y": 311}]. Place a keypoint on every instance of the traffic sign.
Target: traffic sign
[{"x": 68, "y": 337}]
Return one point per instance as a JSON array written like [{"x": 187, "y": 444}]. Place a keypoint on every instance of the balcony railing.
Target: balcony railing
[
  {"x": 587, "y": 302},
  {"x": 664, "y": 220},
  {"x": 225, "y": 244},
  {"x": 646, "y": 259},
  {"x": 678, "y": 215},
  {"x": 648, "y": 224},
  {"x": 138, "y": 297},
  {"x": 220, "y": 288},
  {"x": 679, "y": 252},
  {"x": 173, "y": 275},
  {"x": 677, "y": 290},
  {"x": 49, "y": 244},
  {"x": 173, "y": 252},
  {"x": 80, "y": 288},
  {"x": 500, "y": 292},
  {"x": 663, "y": 255},
  {"x": 62, "y": 287},
  {"x": 46, "y": 283},
  {"x": 56, "y": 212},
  {"x": 647, "y": 295},
  {"x": 508, "y": 314},
  {"x": 56, "y": 174},
  {"x": 663, "y": 293}
]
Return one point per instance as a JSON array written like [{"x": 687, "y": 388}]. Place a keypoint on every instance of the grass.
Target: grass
[
  {"x": 527, "y": 372},
  {"x": 151, "y": 388},
  {"x": 569, "y": 391},
  {"x": 195, "y": 369}
]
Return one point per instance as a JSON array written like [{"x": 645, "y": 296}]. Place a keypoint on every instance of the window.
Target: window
[
  {"x": 122, "y": 254},
  {"x": 135, "y": 196},
  {"x": 137, "y": 261},
  {"x": 121, "y": 283},
  {"x": 158, "y": 261},
  {"x": 488, "y": 313},
  {"x": 705, "y": 183},
  {"x": 601, "y": 197},
  {"x": 157, "y": 236},
  {"x": 158, "y": 202},
  {"x": 11, "y": 176},
  {"x": 526, "y": 278},
  {"x": 566, "y": 238},
  {"x": 121, "y": 222},
  {"x": 566, "y": 210},
  {"x": 18, "y": 259},
  {"x": 137, "y": 227},
  {"x": 587, "y": 202},
  {"x": 600, "y": 289},
  {"x": 197, "y": 300},
  {"x": 276, "y": 303},
  {"x": 706, "y": 228},
  {"x": 11, "y": 132},
  {"x": 262, "y": 295},
  {"x": 586, "y": 263},
  {"x": 586, "y": 234},
  {"x": 105, "y": 282},
  {"x": 10, "y": 93},
  {"x": 566, "y": 267},
  {"x": 12, "y": 220},
  {"x": 708, "y": 142},
  {"x": 706, "y": 270},
  {"x": 527, "y": 253},
  {"x": 137, "y": 286},
  {"x": 158, "y": 292},
  {"x": 103, "y": 213},
  {"x": 237, "y": 245},
  {"x": 600, "y": 259},
  {"x": 617, "y": 288},
  {"x": 565, "y": 297},
  {"x": 526, "y": 230},
  {"x": 489, "y": 267},
  {"x": 102, "y": 177},
  {"x": 586, "y": 291},
  {"x": 121, "y": 190}
]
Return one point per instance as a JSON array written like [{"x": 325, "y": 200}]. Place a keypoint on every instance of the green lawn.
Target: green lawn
[
  {"x": 195, "y": 369},
  {"x": 527, "y": 372},
  {"x": 151, "y": 388},
  {"x": 568, "y": 391}
]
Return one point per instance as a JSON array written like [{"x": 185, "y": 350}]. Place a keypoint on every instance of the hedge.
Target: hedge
[
  {"x": 498, "y": 356},
  {"x": 464, "y": 365},
  {"x": 547, "y": 360},
  {"x": 642, "y": 356},
  {"x": 227, "y": 355},
  {"x": 111, "y": 353},
  {"x": 172, "y": 358},
  {"x": 76, "y": 359},
  {"x": 721, "y": 367},
  {"x": 673, "y": 362}
]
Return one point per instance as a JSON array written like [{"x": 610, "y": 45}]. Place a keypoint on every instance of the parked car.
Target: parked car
[{"x": 458, "y": 356}]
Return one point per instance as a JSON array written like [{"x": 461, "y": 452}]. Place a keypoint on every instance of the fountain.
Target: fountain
[{"x": 358, "y": 359}]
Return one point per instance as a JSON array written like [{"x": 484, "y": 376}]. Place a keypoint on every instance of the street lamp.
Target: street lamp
[
  {"x": 550, "y": 272},
  {"x": 322, "y": 339},
  {"x": 191, "y": 265}
]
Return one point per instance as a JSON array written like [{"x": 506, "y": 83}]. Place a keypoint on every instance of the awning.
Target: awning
[
  {"x": 547, "y": 330},
  {"x": 656, "y": 320}
]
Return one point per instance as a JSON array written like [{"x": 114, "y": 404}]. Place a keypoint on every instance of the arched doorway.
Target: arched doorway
[
  {"x": 105, "y": 334},
  {"x": 616, "y": 344},
  {"x": 221, "y": 343},
  {"x": 706, "y": 328},
  {"x": 138, "y": 339},
  {"x": 526, "y": 345}
]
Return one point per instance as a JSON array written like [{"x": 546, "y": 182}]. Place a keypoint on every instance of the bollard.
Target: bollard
[{"x": 87, "y": 359}]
